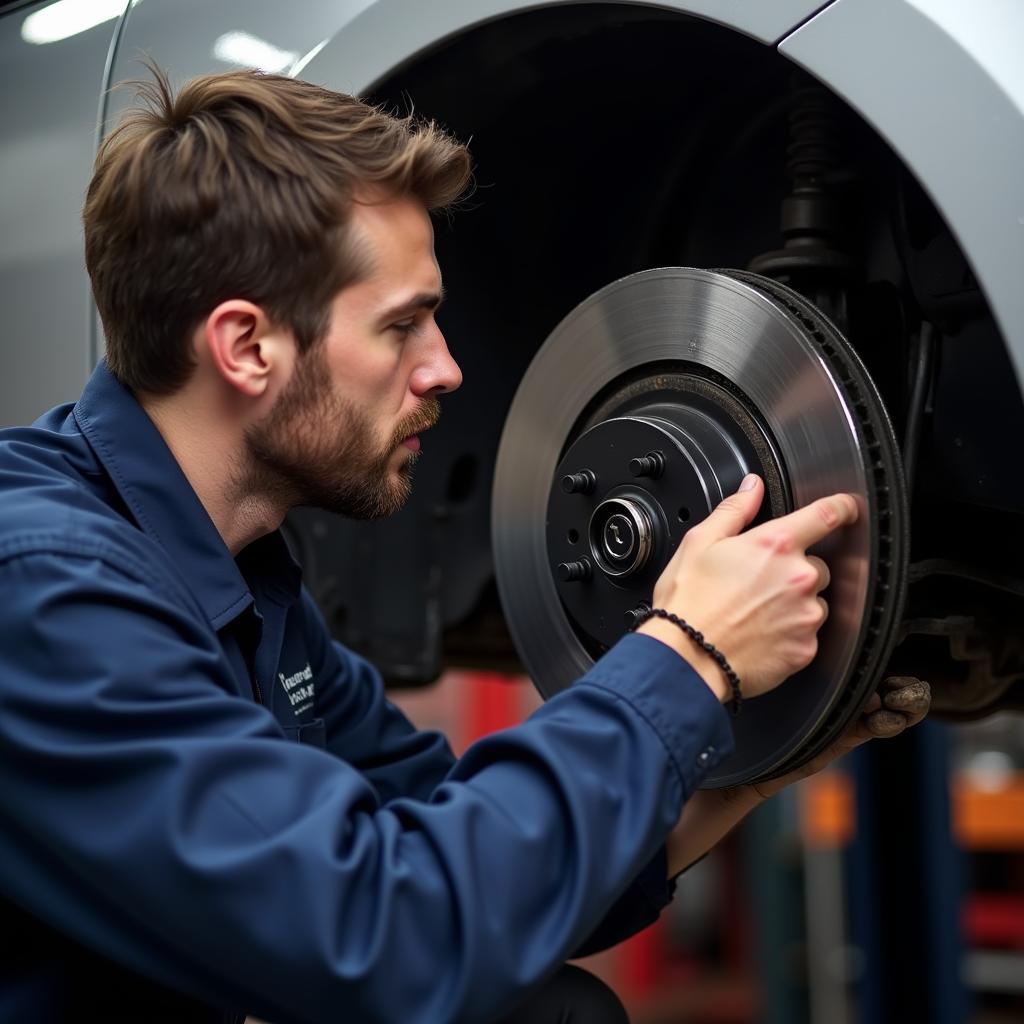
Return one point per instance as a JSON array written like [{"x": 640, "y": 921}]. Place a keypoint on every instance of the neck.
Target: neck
[{"x": 210, "y": 449}]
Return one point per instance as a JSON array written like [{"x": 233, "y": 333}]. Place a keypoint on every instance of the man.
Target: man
[{"x": 208, "y": 807}]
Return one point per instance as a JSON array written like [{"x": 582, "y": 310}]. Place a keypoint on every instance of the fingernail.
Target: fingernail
[{"x": 749, "y": 482}]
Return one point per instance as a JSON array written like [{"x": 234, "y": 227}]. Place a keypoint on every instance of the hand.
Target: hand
[
  {"x": 754, "y": 595},
  {"x": 710, "y": 814}
]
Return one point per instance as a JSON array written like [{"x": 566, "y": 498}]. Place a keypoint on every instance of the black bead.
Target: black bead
[{"x": 642, "y": 614}]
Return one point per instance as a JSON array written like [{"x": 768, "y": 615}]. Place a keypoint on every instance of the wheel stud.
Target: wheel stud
[
  {"x": 634, "y": 615},
  {"x": 572, "y": 572},
  {"x": 652, "y": 464},
  {"x": 582, "y": 482}
]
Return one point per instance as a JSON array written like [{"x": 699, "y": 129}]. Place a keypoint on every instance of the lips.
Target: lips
[{"x": 421, "y": 419}]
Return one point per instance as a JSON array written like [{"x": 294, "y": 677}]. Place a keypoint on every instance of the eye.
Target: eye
[{"x": 404, "y": 326}]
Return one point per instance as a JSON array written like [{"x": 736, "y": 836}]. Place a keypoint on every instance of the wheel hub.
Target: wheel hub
[{"x": 630, "y": 486}]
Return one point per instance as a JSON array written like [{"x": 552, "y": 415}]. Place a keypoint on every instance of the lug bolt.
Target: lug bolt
[
  {"x": 652, "y": 464},
  {"x": 571, "y": 572},
  {"x": 635, "y": 614},
  {"x": 582, "y": 482}
]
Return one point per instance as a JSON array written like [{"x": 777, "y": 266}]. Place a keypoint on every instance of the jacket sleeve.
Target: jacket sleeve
[
  {"x": 163, "y": 822},
  {"x": 370, "y": 733},
  {"x": 366, "y": 730}
]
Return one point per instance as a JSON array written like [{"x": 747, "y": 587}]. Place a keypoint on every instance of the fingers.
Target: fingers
[
  {"x": 733, "y": 514},
  {"x": 908, "y": 696},
  {"x": 885, "y": 724},
  {"x": 824, "y": 576},
  {"x": 901, "y": 702},
  {"x": 816, "y": 521}
]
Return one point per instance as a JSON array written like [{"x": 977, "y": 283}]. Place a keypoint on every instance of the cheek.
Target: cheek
[
  {"x": 390, "y": 389},
  {"x": 373, "y": 378}
]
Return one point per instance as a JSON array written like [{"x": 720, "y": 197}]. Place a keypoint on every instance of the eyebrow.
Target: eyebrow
[{"x": 421, "y": 300}]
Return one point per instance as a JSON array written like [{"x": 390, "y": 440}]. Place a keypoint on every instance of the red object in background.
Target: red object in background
[
  {"x": 641, "y": 961},
  {"x": 494, "y": 703},
  {"x": 994, "y": 921}
]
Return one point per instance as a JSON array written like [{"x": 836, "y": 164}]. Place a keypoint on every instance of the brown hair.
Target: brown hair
[{"x": 240, "y": 187}]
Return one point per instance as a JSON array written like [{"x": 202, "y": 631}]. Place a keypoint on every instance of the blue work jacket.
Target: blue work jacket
[{"x": 208, "y": 807}]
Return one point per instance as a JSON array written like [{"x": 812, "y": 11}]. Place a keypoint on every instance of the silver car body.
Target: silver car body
[{"x": 940, "y": 80}]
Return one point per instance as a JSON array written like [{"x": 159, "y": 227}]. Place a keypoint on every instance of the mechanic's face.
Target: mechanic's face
[{"x": 343, "y": 435}]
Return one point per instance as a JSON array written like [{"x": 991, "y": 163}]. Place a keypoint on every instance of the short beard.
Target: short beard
[{"x": 318, "y": 449}]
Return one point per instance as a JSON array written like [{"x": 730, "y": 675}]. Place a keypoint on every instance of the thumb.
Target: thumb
[{"x": 734, "y": 513}]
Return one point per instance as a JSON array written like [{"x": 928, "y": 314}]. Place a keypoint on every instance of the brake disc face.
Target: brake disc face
[{"x": 644, "y": 408}]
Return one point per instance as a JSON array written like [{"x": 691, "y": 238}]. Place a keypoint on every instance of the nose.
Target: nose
[{"x": 437, "y": 372}]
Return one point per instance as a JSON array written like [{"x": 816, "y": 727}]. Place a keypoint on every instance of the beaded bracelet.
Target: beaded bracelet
[{"x": 736, "y": 704}]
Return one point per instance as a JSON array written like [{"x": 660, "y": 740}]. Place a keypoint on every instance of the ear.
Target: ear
[{"x": 246, "y": 349}]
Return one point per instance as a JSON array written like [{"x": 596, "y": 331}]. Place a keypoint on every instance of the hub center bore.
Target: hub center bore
[{"x": 621, "y": 536}]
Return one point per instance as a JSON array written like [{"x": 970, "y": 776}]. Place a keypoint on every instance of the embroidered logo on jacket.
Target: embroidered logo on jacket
[{"x": 299, "y": 688}]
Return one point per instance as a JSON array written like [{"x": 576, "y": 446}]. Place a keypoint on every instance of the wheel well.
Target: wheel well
[{"x": 609, "y": 139}]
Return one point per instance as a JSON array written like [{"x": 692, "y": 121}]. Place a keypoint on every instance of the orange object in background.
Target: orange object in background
[
  {"x": 982, "y": 819},
  {"x": 988, "y": 819},
  {"x": 828, "y": 815}
]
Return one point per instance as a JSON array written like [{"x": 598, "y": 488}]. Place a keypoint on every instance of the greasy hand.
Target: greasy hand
[
  {"x": 754, "y": 595},
  {"x": 901, "y": 702}
]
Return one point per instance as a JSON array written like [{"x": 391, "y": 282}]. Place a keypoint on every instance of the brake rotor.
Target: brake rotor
[{"x": 643, "y": 409}]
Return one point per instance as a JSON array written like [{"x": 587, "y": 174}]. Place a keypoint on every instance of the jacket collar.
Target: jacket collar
[{"x": 167, "y": 509}]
